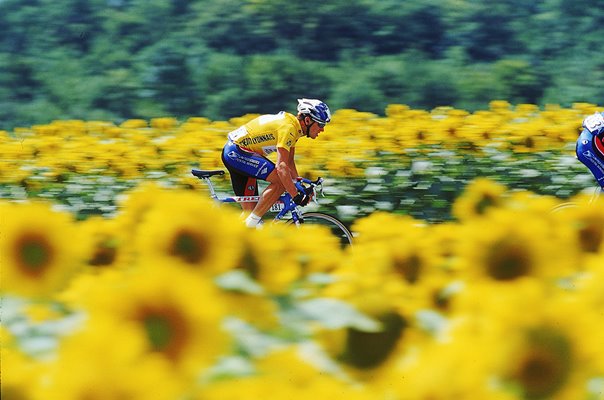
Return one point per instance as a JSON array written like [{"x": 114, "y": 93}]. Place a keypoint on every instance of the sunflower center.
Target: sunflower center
[
  {"x": 591, "y": 237},
  {"x": 546, "y": 365},
  {"x": 158, "y": 330},
  {"x": 249, "y": 263},
  {"x": 104, "y": 255},
  {"x": 408, "y": 267},
  {"x": 34, "y": 253},
  {"x": 166, "y": 331},
  {"x": 486, "y": 201},
  {"x": 370, "y": 349},
  {"x": 508, "y": 260},
  {"x": 189, "y": 246}
]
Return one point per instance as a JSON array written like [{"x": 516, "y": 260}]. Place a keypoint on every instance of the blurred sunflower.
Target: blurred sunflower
[
  {"x": 554, "y": 355},
  {"x": 176, "y": 312},
  {"x": 478, "y": 198},
  {"x": 134, "y": 205},
  {"x": 20, "y": 374},
  {"x": 40, "y": 248},
  {"x": 432, "y": 372},
  {"x": 500, "y": 248},
  {"x": 109, "y": 247},
  {"x": 587, "y": 222},
  {"x": 184, "y": 229},
  {"x": 366, "y": 281},
  {"x": 592, "y": 282},
  {"x": 311, "y": 244},
  {"x": 550, "y": 352},
  {"x": 92, "y": 364},
  {"x": 267, "y": 258}
]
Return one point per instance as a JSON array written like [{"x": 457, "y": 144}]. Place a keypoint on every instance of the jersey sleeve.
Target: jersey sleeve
[{"x": 286, "y": 137}]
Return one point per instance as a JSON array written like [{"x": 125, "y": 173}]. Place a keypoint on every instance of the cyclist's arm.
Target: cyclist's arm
[
  {"x": 285, "y": 169},
  {"x": 292, "y": 163}
]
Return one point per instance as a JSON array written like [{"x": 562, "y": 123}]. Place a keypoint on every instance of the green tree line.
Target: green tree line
[{"x": 117, "y": 59}]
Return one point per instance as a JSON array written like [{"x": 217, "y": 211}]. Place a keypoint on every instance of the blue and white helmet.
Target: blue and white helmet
[{"x": 316, "y": 110}]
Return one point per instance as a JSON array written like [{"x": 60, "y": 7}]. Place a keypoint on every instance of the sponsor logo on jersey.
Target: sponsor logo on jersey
[
  {"x": 246, "y": 142},
  {"x": 594, "y": 159}
]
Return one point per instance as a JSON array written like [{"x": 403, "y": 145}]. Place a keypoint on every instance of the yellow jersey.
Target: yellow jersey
[{"x": 264, "y": 134}]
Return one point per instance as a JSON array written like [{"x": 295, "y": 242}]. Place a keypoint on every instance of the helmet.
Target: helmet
[{"x": 316, "y": 110}]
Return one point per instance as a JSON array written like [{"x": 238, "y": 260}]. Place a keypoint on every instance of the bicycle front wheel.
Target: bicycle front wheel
[
  {"x": 560, "y": 208},
  {"x": 337, "y": 227}
]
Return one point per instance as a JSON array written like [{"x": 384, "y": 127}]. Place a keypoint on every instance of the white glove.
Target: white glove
[{"x": 594, "y": 123}]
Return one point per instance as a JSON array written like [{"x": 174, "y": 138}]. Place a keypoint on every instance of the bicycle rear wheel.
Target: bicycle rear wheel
[{"x": 337, "y": 227}]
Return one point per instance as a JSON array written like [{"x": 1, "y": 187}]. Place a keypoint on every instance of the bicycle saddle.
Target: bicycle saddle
[{"x": 206, "y": 173}]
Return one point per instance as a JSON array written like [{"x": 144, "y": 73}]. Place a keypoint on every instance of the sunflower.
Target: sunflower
[
  {"x": 500, "y": 248},
  {"x": 184, "y": 229},
  {"x": 20, "y": 374},
  {"x": 553, "y": 355},
  {"x": 433, "y": 371},
  {"x": 311, "y": 243},
  {"x": 587, "y": 221},
  {"x": 40, "y": 248},
  {"x": 109, "y": 246},
  {"x": 134, "y": 205},
  {"x": 267, "y": 257},
  {"x": 550, "y": 352},
  {"x": 367, "y": 281},
  {"x": 175, "y": 311},
  {"x": 105, "y": 361},
  {"x": 479, "y": 197}
]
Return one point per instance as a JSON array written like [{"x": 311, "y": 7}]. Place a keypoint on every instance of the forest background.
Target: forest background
[{"x": 120, "y": 59}]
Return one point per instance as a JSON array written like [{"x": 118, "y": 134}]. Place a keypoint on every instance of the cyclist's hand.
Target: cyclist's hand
[{"x": 303, "y": 197}]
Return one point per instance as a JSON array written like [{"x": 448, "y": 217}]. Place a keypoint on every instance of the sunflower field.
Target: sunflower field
[{"x": 121, "y": 279}]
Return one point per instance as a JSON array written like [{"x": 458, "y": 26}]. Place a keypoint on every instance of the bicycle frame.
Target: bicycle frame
[{"x": 282, "y": 206}]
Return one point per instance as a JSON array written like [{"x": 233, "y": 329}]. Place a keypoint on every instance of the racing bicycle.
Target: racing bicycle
[
  {"x": 597, "y": 192},
  {"x": 287, "y": 211}
]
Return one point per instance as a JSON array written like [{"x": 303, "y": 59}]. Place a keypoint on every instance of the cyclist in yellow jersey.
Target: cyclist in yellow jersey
[{"x": 245, "y": 155}]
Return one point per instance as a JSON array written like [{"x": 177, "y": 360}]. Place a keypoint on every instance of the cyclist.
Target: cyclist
[
  {"x": 590, "y": 146},
  {"x": 245, "y": 155}
]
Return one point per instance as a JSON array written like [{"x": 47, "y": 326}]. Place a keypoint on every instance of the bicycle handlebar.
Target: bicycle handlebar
[{"x": 313, "y": 184}]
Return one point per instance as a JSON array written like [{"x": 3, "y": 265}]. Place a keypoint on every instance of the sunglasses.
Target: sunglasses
[{"x": 321, "y": 124}]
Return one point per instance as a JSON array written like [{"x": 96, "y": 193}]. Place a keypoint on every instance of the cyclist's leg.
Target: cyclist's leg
[
  {"x": 245, "y": 169},
  {"x": 243, "y": 185},
  {"x": 256, "y": 166},
  {"x": 269, "y": 195}
]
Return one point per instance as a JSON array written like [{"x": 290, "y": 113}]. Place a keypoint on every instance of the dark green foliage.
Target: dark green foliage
[{"x": 223, "y": 58}]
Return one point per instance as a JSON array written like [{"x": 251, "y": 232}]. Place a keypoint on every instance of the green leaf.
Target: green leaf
[
  {"x": 238, "y": 281},
  {"x": 335, "y": 314}
]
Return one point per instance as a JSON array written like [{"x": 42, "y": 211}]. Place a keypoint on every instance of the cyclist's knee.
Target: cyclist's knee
[{"x": 273, "y": 177}]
